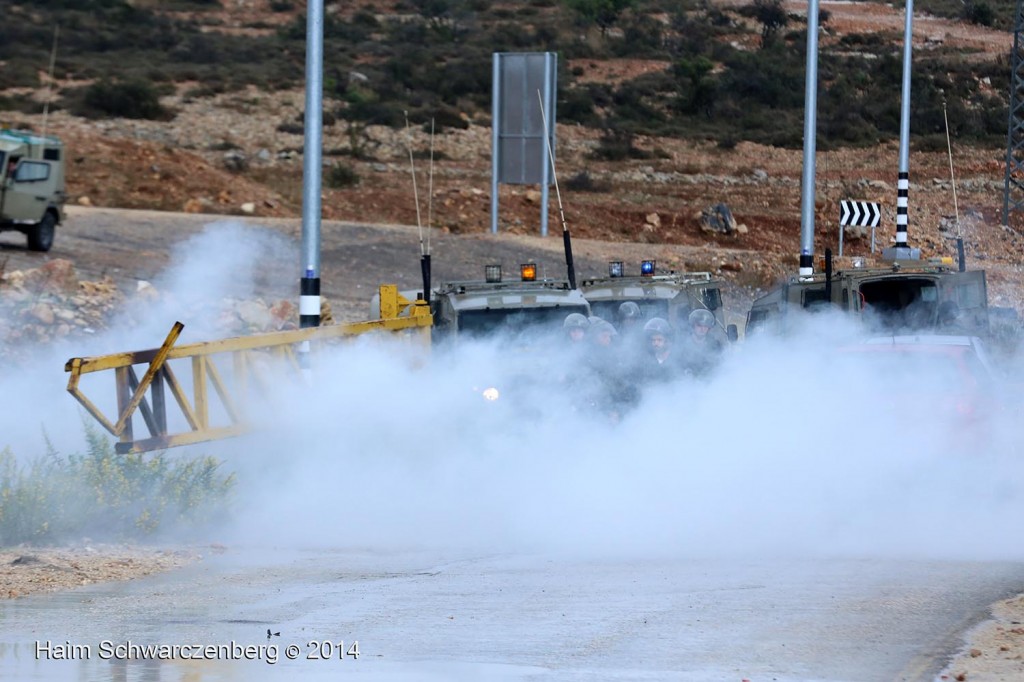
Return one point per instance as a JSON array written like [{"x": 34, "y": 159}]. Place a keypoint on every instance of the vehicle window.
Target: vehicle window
[
  {"x": 32, "y": 171},
  {"x": 608, "y": 310},
  {"x": 760, "y": 318},
  {"x": 515, "y": 321},
  {"x": 51, "y": 154},
  {"x": 969, "y": 295},
  {"x": 813, "y": 297},
  {"x": 712, "y": 298}
]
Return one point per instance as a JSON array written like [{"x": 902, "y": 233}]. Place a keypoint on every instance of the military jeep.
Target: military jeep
[
  {"x": 904, "y": 296},
  {"x": 671, "y": 296},
  {"x": 31, "y": 186},
  {"x": 502, "y": 306}
]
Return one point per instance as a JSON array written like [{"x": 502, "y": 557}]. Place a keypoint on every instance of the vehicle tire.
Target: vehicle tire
[{"x": 40, "y": 237}]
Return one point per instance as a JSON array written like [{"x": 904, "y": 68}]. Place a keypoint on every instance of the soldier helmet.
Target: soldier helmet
[
  {"x": 629, "y": 310},
  {"x": 658, "y": 325},
  {"x": 575, "y": 321},
  {"x": 603, "y": 327},
  {"x": 701, "y": 317},
  {"x": 594, "y": 319}
]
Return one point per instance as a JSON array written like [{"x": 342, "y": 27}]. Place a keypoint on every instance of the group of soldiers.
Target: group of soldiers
[{"x": 619, "y": 359}]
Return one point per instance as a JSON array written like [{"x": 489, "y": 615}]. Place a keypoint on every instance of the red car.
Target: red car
[{"x": 945, "y": 379}]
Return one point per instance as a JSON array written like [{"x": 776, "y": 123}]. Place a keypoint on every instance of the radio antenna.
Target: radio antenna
[
  {"x": 961, "y": 260},
  {"x": 566, "y": 239},
  {"x": 424, "y": 256},
  {"x": 49, "y": 80},
  {"x": 430, "y": 187},
  {"x": 415, "y": 194}
]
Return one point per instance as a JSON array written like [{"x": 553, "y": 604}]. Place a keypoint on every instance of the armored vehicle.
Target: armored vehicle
[
  {"x": 906, "y": 295},
  {"x": 31, "y": 186},
  {"x": 669, "y": 296},
  {"x": 497, "y": 306}
]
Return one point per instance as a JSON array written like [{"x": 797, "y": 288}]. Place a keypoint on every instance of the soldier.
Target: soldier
[
  {"x": 575, "y": 326},
  {"x": 611, "y": 389},
  {"x": 658, "y": 363},
  {"x": 699, "y": 351},
  {"x": 630, "y": 317}
]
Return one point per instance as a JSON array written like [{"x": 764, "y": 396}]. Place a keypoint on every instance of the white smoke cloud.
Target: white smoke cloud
[{"x": 784, "y": 451}]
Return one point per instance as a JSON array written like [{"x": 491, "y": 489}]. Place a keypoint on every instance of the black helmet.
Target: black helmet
[
  {"x": 575, "y": 321},
  {"x": 629, "y": 310},
  {"x": 658, "y": 325},
  {"x": 701, "y": 317}
]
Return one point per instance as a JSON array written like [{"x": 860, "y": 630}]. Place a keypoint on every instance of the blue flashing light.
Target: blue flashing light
[{"x": 647, "y": 268}]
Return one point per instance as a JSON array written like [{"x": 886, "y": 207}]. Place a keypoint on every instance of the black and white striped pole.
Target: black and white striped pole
[
  {"x": 309, "y": 285},
  {"x": 902, "y": 250},
  {"x": 810, "y": 131}
]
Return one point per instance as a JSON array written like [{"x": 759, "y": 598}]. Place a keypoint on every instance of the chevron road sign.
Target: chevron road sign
[{"x": 860, "y": 213}]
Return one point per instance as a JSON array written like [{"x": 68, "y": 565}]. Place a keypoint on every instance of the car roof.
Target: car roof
[{"x": 923, "y": 340}]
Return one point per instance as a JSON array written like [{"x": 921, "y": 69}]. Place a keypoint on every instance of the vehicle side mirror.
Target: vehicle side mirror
[{"x": 732, "y": 332}]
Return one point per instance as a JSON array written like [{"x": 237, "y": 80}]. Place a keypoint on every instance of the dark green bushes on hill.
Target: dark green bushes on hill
[
  {"x": 131, "y": 99},
  {"x": 434, "y": 61}
]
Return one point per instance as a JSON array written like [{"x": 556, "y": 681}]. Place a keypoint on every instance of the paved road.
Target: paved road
[
  {"x": 132, "y": 245},
  {"x": 457, "y": 616}
]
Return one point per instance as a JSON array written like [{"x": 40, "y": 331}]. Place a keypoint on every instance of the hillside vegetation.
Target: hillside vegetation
[{"x": 726, "y": 73}]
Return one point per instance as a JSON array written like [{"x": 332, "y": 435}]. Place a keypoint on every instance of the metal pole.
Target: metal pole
[
  {"x": 810, "y": 133},
  {"x": 309, "y": 286},
  {"x": 495, "y": 137},
  {"x": 903, "y": 184},
  {"x": 549, "y": 134}
]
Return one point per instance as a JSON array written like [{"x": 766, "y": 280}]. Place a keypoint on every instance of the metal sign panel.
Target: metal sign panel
[
  {"x": 523, "y": 125},
  {"x": 519, "y": 123}
]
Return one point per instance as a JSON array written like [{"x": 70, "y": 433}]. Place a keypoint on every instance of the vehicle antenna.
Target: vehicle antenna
[
  {"x": 425, "y": 257},
  {"x": 566, "y": 239},
  {"x": 415, "y": 194},
  {"x": 961, "y": 261},
  {"x": 49, "y": 81},
  {"x": 430, "y": 189}
]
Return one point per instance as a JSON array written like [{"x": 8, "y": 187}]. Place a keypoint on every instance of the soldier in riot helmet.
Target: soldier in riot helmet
[
  {"x": 575, "y": 326},
  {"x": 611, "y": 389},
  {"x": 659, "y": 362},
  {"x": 699, "y": 350},
  {"x": 629, "y": 316}
]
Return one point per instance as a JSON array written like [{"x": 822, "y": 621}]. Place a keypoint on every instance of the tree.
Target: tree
[
  {"x": 699, "y": 87},
  {"x": 772, "y": 16},
  {"x": 604, "y": 13}
]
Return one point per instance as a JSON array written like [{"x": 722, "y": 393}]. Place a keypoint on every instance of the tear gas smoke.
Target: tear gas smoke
[{"x": 786, "y": 450}]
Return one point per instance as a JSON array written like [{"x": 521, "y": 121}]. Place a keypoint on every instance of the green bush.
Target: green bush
[
  {"x": 585, "y": 182},
  {"x": 342, "y": 175},
  {"x": 127, "y": 99},
  {"x": 106, "y": 495}
]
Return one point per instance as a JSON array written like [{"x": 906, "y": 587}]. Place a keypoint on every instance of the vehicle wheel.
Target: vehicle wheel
[{"x": 40, "y": 237}]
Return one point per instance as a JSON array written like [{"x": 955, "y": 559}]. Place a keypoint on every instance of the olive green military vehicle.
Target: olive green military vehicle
[
  {"x": 670, "y": 296},
  {"x": 496, "y": 305},
  {"x": 31, "y": 186},
  {"x": 906, "y": 295},
  {"x": 500, "y": 306}
]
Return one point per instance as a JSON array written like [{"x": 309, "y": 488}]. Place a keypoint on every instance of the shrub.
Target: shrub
[
  {"x": 342, "y": 175},
  {"x": 126, "y": 99},
  {"x": 585, "y": 182},
  {"x": 106, "y": 495}
]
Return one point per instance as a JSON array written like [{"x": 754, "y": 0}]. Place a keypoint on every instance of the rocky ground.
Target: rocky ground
[{"x": 32, "y": 570}]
